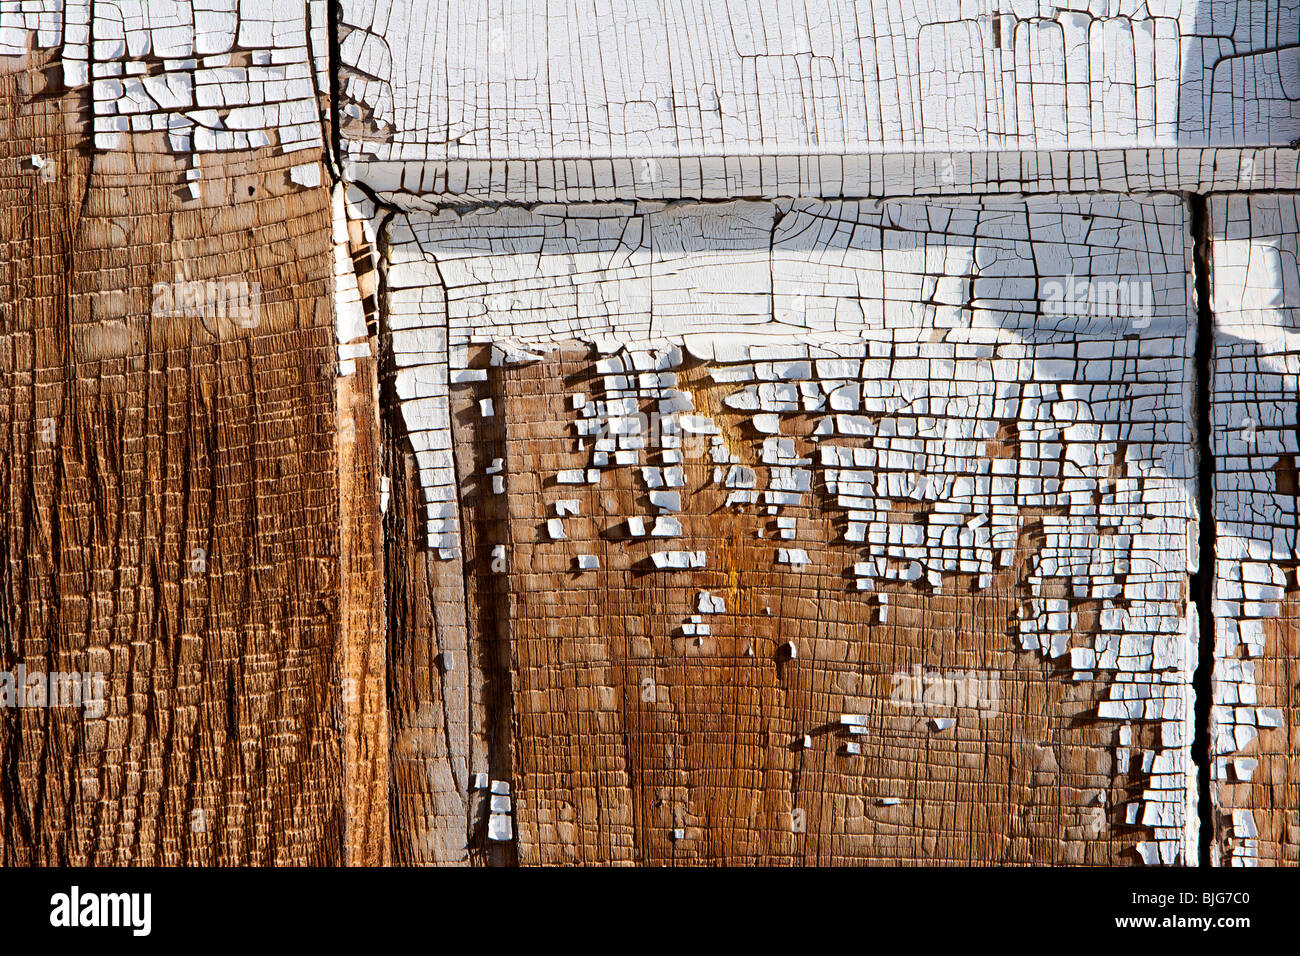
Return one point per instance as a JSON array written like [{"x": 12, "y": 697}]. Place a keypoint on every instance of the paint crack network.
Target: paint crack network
[{"x": 753, "y": 443}]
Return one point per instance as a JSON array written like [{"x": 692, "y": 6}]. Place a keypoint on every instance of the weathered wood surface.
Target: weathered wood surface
[
  {"x": 312, "y": 550},
  {"x": 171, "y": 503},
  {"x": 911, "y": 306},
  {"x": 1256, "y": 302},
  {"x": 362, "y": 636},
  {"x": 629, "y": 731}
]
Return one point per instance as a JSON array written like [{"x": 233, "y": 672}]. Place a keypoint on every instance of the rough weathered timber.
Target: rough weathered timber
[{"x": 171, "y": 502}]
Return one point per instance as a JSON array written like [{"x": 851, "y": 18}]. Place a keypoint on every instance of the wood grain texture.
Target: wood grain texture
[
  {"x": 362, "y": 642},
  {"x": 638, "y": 745},
  {"x": 1252, "y": 245},
  {"x": 179, "y": 534},
  {"x": 348, "y": 609}
]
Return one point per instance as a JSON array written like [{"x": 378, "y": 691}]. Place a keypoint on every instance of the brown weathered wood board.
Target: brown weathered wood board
[{"x": 625, "y": 419}]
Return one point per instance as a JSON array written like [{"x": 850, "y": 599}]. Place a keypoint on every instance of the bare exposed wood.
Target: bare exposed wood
[
  {"x": 172, "y": 505},
  {"x": 624, "y": 417}
]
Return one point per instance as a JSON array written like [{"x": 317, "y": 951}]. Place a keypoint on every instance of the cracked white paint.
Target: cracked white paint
[
  {"x": 1256, "y": 282},
  {"x": 904, "y": 329},
  {"x": 212, "y": 75},
  {"x": 536, "y": 102},
  {"x": 349, "y": 206},
  {"x": 908, "y": 331}
]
